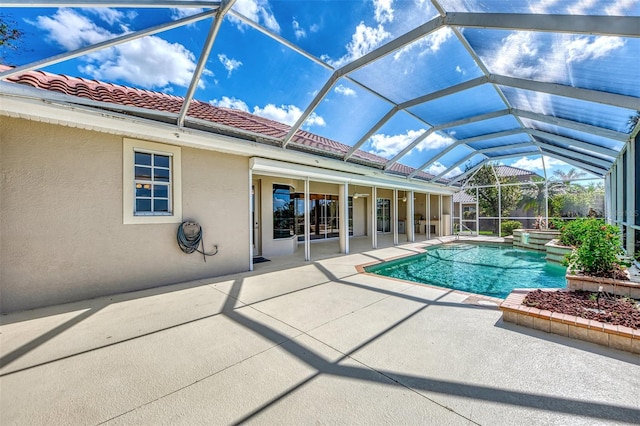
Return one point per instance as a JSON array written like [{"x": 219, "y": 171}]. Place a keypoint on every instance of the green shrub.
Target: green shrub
[
  {"x": 508, "y": 226},
  {"x": 598, "y": 250},
  {"x": 556, "y": 223},
  {"x": 573, "y": 232}
]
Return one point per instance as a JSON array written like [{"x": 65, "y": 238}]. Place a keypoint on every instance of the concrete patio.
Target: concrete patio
[{"x": 296, "y": 342}]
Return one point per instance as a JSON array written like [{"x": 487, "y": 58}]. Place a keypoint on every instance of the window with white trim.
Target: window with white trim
[{"x": 151, "y": 182}]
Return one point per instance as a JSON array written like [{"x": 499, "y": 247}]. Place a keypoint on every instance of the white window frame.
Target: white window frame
[{"x": 129, "y": 148}]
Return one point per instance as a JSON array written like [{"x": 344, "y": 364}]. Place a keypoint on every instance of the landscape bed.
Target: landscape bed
[{"x": 616, "y": 336}]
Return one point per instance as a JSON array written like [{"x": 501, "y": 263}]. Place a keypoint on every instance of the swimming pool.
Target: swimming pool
[{"x": 491, "y": 270}]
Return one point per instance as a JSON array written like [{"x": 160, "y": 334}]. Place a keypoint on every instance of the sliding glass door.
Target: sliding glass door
[{"x": 323, "y": 216}]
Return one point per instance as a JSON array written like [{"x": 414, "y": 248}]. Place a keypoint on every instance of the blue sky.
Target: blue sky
[{"x": 248, "y": 70}]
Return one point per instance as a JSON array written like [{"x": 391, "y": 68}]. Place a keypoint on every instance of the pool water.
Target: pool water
[{"x": 490, "y": 270}]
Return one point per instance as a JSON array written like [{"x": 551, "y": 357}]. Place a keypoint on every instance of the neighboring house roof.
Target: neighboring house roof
[
  {"x": 463, "y": 197},
  {"x": 502, "y": 171},
  {"x": 508, "y": 171},
  {"x": 225, "y": 117}
]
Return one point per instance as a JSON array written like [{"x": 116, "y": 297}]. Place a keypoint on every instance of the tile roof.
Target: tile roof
[
  {"x": 463, "y": 197},
  {"x": 508, "y": 171},
  {"x": 241, "y": 120}
]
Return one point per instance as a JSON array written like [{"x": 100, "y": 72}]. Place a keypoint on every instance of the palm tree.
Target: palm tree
[
  {"x": 572, "y": 174},
  {"x": 533, "y": 194}
]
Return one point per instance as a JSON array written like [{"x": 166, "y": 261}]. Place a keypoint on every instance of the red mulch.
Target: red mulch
[{"x": 611, "y": 309}]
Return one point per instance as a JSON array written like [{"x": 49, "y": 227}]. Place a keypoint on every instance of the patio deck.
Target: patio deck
[{"x": 303, "y": 343}]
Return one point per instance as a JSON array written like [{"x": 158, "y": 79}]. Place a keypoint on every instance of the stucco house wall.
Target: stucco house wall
[{"x": 62, "y": 235}]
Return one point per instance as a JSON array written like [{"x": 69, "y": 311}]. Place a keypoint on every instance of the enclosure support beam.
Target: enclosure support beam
[
  {"x": 394, "y": 214},
  {"x": 307, "y": 224},
  {"x": 204, "y": 55},
  {"x": 625, "y": 26},
  {"x": 343, "y": 213}
]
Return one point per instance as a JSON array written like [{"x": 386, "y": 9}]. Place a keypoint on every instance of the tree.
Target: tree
[
  {"x": 572, "y": 174},
  {"x": 578, "y": 201},
  {"x": 10, "y": 35},
  {"x": 533, "y": 193}
]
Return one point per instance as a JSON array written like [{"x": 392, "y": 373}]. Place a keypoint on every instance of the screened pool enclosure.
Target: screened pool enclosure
[{"x": 527, "y": 109}]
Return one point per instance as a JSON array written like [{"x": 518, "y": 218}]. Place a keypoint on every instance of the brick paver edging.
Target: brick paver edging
[{"x": 613, "y": 336}]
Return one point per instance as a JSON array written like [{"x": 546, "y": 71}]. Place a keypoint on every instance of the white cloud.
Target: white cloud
[
  {"x": 535, "y": 164},
  {"x": 517, "y": 55},
  {"x": 580, "y": 7},
  {"x": 344, "y": 90},
  {"x": 314, "y": 120},
  {"x": 298, "y": 30},
  {"x": 232, "y": 103},
  {"x": 437, "y": 168},
  {"x": 435, "y": 140},
  {"x": 364, "y": 40},
  {"x": 584, "y": 48},
  {"x": 183, "y": 12},
  {"x": 390, "y": 145},
  {"x": 621, "y": 7},
  {"x": 110, "y": 16},
  {"x": 383, "y": 11},
  {"x": 70, "y": 30},
  {"x": 426, "y": 45},
  {"x": 258, "y": 11},
  {"x": 530, "y": 55},
  {"x": 460, "y": 70},
  {"x": 543, "y": 6},
  {"x": 229, "y": 64},
  {"x": 148, "y": 62},
  {"x": 287, "y": 114}
]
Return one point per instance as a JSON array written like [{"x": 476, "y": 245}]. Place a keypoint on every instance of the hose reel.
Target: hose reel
[{"x": 190, "y": 237}]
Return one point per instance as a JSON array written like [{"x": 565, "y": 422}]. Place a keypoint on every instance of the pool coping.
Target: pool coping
[
  {"x": 613, "y": 336},
  {"x": 472, "y": 298}
]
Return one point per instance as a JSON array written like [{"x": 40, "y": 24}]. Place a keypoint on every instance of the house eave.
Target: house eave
[{"x": 22, "y": 102}]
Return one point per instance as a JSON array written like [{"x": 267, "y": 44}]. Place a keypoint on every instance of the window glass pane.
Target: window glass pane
[
  {"x": 161, "y": 191},
  {"x": 161, "y": 175},
  {"x": 161, "y": 160},
  {"x": 160, "y": 205},
  {"x": 143, "y": 205},
  {"x": 283, "y": 212},
  {"x": 143, "y": 159},
  {"x": 143, "y": 190},
  {"x": 143, "y": 173}
]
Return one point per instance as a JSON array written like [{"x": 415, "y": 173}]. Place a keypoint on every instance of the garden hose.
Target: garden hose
[{"x": 190, "y": 237}]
